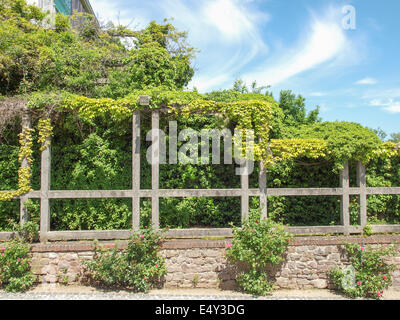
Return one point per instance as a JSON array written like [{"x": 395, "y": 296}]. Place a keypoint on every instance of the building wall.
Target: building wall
[
  {"x": 77, "y": 6},
  {"x": 202, "y": 263},
  {"x": 63, "y": 6}
]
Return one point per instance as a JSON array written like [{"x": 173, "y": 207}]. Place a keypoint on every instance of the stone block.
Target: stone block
[{"x": 319, "y": 283}]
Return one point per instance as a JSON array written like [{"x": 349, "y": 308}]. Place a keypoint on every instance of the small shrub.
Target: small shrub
[
  {"x": 368, "y": 274},
  {"x": 258, "y": 245},
  {"x": 28, "y": 232},
  {"x": 139, "y": 267},
  {"x": 15, "y": 272},
  {"x": 367, "y": 230}
]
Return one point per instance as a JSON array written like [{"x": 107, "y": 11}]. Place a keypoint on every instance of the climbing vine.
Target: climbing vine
[
  {"x": 45, "y": 132},
  {"x": 257, "y": 115},
  {"x": 24, "y": 173}
]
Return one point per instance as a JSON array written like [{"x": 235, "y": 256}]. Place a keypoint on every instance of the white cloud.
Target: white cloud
[
  {"x": 115, "y": 12},
  {"x": 227, "y": 32},
  {"x": 317, "y": 94},
  {"x": 389, "y": 105},
  {"x": 366, "y": 81},
  {"x": 324, "y": 42},
  {"x": 324, "y": 107},
  {"x": 230, "y": 19}
]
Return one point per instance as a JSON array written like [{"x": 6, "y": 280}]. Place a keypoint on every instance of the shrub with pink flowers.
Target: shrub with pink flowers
[
  {"x": 258, "y": 244},
  {"x": 372, "y": 273},
  {"x": 139, "y": 267},
  {"x": 15, "y": 271}
]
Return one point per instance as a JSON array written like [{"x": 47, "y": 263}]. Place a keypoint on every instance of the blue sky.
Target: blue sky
[{"x": 301, "y": 45}]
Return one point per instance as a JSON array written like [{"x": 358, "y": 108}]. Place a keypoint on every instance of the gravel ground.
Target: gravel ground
[{"x": 72, "y": 292}]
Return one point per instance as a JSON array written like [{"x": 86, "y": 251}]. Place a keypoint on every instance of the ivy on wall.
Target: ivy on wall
[{"x": 352, "y": 141}]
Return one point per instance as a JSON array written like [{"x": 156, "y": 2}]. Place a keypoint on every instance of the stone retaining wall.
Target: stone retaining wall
[{"x": 201, "y": 263}]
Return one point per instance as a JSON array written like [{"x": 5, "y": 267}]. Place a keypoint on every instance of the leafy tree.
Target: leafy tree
[
  {"x": 294, "y": 109},
  {"x": 240, "y": 86},
  {"x": 395, "y": 137},
  {"x": 379, "y": 132},
  {"x": 35, "y": 57}
]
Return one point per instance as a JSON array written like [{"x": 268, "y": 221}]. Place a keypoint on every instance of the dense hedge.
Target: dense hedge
[
  {"x": 56, "y": 72},
  {"x": 99, "y": 156}
]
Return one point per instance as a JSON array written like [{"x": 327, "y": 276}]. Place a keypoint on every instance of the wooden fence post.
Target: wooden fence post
[
  {"x": 362, "y": 184},
  {"x": 345, "y": 198},
  {"x": 136, "y": 170},
  {"x": 262, "y": 182},
  {"x": 244, "y": 181},
  {"x": 23, "y": 213},
  {"x": 45, "y": 175},
  {"x": 155, "y": 168}
]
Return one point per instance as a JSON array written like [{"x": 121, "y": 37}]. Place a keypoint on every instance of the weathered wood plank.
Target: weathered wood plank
[
  {"x": 324, "y": 229},
  {"x": 288, "y": 192},
  {"x": 200, "y": 193},
  {"x": 5, "y": 236},
  {"x": 89, "y": 235},
  {"x": 146, "y": 193},
  {"x": 244, "y": 182},
  {"x": 23, "y": 212},
  {"x": 135, "y": 170},
  {"x": 126, "y": 234},
  {"x": 345, "y": 198},
  {"x": 385, "y": 228},
  {"x": 362, "y": 199},
  {"x": 199, "y": 233},
  {"x": 44, "y": 192},
  {"x": 155, "y": 169},
  {"x": 383, "y": 190},
  {"x": 89, "y": 194},
  {"x": 262, "y": 183}
]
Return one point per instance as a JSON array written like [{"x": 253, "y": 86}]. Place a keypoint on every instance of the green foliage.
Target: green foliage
[
  {"x": 27, "y": 232},
  {"x": 345, "y": 140},
  {"x": 383, "y": 209},
  {"x": 367, "y": 230},
  {"x": 254, "y": 282},
  {"x": 294, "y": 109},
  {"x": 15, "y": 273},
  {"x": 395, "y": 137},
  {"x": 33, "y": 57},
  {"x": 372, "y": 272},
  {"x": 60, "y": 67},
  {"x": 259, "y": 244},
  {"x": 138, "y": 267}
]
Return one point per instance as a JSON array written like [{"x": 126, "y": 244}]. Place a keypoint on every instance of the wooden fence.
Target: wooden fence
[{"x": 155, "y": 193}]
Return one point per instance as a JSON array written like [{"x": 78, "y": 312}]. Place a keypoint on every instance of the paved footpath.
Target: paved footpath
[
  {"x": 117, "y": 296},
  {"x": 79, "y": 292}
]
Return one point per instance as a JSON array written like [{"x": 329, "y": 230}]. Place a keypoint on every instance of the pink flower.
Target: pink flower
[
  {"x": 379, "y": 294},
  {"x": 359, "y": 283},
  {"x": 142, "y": 236},
  {"x": 362, "y": 249},
  {"x": 2, "y": 254},
  {"x": 384, "y": 277},
  {"x": 156, "y": 265},
  {"x": 253, "y": 230},
  {"x": 19, "y": 259},
  {"x": 228, "y": 245}
]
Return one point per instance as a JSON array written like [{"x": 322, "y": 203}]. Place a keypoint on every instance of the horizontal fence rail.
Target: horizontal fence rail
[{"x": 155, "y": 193}]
